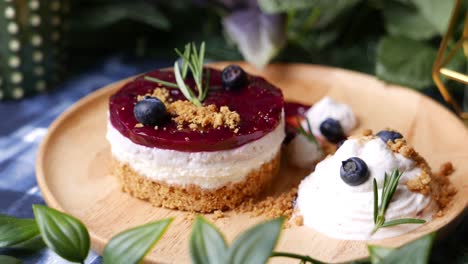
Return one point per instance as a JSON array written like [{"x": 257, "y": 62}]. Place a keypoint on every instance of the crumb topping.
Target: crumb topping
[
  {"x": 186, "y": 114},
  {"x": 270, "y": 206},
  {"x": 435, "y": 184}
]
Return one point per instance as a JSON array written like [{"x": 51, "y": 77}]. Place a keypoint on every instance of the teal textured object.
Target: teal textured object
[{"x": 32, "y": 46}]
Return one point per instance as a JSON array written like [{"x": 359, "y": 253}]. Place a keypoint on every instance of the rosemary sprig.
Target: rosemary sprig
[
  {"x": 388, "y": 190},
  {"x": 193, "y": 60},
  {"x": 308, "y": 134}
]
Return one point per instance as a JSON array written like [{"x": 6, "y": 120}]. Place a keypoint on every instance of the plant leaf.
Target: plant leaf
[
  {"x": 207, "y": 244},
  {"x": 256, "y": 245},
  {"x": 258, "y": 36},
  {"x": 436, "y": 12},
  {"x": 62, "y": 233},
  {"x": 404, "y": 61},
  {"x": 156, "y": 80},
  {"x": 376, "y": 200},
  {"x": 9, "y": 260},
  {"x": 279, "y": 6},
  {"x": 105, "y": 15},
  {"x": 377, "y": 253},
  {"x": 416, "y": 252},
  {"x": 16, "y": 230},
  {"x": 407, "y": 21},
  {"x": 403, "y": 221},
  {"x": 131, "y": 246}
]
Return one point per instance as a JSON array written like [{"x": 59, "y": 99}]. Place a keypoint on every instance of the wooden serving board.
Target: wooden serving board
[{"x": 73, "y": 161}]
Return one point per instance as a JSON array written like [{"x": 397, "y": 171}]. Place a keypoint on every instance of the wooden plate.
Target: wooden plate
[{"x": 72, "y": 165}]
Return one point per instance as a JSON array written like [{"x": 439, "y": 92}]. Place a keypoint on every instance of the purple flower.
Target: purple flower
[{"x": 258, "y": 36}]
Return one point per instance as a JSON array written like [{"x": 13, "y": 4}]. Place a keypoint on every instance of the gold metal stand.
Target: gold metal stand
[{"x": 444, "y": 57}]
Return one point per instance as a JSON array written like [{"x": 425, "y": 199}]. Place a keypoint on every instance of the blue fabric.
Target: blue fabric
[{"x": 24, "y": 123}]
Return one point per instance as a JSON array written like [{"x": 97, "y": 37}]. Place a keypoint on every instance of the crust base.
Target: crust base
[{"x": 193, "y": 198}]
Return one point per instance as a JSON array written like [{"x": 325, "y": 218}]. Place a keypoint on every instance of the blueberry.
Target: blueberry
[
  {"x": 331, "y": 129},
  {"x": 150, "y": 111},
  {"x": 233, "y": 77},
  {"x": 354, "y": 171},
  {"x": 387, "y": 135}
]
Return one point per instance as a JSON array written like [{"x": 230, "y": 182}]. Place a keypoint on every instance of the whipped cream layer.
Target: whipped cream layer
[
  {"x": 339, "y": 210},
  {"x": 208, "y": 170},
  {"x": 329, "y": 108},
  {"x": 303, "y": 153}
]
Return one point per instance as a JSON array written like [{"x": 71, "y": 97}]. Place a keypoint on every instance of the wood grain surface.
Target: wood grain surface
[{"x": 73, "y": 162}]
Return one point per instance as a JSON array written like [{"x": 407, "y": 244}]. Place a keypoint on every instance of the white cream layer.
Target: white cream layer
[
  {"x": 329, "y": 108},
  {"x": 208, "y": 170},
  {"x": 339, "y": 210},
  {"x": 303, "y": 153}
]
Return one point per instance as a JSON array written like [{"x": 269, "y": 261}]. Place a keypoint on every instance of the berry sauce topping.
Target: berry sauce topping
[
  {"x": 331, "y": 129},
  {"x": 293, "y": 112},
  {"x": 258, "y": 103},
  {"x": 354, "y": 171},
  {"x": 387, "y": 135}
]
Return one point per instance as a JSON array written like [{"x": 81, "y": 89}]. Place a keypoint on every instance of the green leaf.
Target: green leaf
[
  {"x": 437, "y": 12},
  {"x": 9, "y": 260},
  {"x": 377, "y": 253},
  {"x": 62, "y": 233},
  {"x": 5, "y": 219},
  {"x": 404, "y": 61},
  {"x": 207, "y": 244},
  {"x": 403, "y": 221},
  {"x": 407, "y": 21},
  {"x": 256, "y": 245},
  {"x": 16, "y": 230},
  {"x": 131, "y": 246},
  {"x": 279, "y": 6},
  {"x": 376, "y": 200},
  {"x": 105, "y": 15},
  {"x": 416, "y": 252}
]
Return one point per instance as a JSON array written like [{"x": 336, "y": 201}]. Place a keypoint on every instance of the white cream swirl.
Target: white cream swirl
[
  {"x": 303, "y": 153},
  {"x": 329, "y": 108},
  {"x": 339, "y": 210}
]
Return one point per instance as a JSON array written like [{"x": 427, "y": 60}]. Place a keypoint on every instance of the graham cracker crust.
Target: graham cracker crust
[{"x": 193, "y": 198}]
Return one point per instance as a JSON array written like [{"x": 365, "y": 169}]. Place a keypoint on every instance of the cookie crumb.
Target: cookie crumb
[
  {"x": 186, "y": 114},
  {"x": 138, "y": 125},
  {"x": 367, "y": 132},
  {"x": 270, "y": 207},
  {"x": 217, "y": 215},
  {"x": 161, "y": 93},
  {"x": 298, "y": 220}
]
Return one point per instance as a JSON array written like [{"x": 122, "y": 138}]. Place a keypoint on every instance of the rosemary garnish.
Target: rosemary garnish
[
  {"x": 193, "y": 60},
  {"x": 308, "y": 134},
  {"x": 388, "y": 190}
]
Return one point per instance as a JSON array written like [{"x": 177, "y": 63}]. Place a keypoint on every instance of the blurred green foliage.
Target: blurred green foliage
[{"x": 396, "y": 40}]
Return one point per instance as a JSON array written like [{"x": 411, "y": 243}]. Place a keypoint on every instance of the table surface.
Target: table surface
[{"x": 25, "y": 123}]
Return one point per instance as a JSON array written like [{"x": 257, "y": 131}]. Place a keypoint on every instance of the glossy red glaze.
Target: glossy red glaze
[
  {"x": 293, "y": 112},
  {"x": 259, "y": 105}
]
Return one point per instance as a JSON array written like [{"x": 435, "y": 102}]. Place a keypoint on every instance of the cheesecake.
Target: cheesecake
[{"x": 196, "y": 157}]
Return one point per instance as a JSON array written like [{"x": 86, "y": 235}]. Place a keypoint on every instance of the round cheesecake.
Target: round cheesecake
[{"x": 200, "y": 158}]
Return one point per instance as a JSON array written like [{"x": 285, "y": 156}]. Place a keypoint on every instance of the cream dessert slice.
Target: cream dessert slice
[
  {"x": 345, "y": 211},
  {"x": 304, "y": 153},
  {"x": 329, "y": 108},
  {"x": 192, "y": 155}
]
